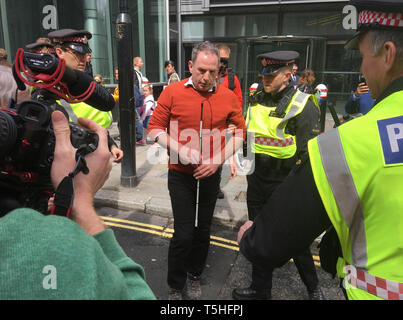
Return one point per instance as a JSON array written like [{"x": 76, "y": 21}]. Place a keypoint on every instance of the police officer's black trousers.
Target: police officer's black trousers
[
  {"x": 259, "y": 190},
  {"x": 189, "y": 246}
]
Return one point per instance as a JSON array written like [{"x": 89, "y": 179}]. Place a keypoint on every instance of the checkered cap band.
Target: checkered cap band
[
  {"x": 382, "y": 288},
  {"x": 388, "y": 19},
  {"x": 83, "y": 40},
  {"x": 272, "y": 62},
  {"x": 274, "y": 142}
]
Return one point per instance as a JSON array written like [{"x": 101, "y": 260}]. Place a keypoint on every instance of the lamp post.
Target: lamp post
[{"x": 127, "y": 114}]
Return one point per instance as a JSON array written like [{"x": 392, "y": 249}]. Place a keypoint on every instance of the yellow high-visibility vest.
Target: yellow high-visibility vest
[
  {"x": 358, "y": 171},
  {"x": 269, "y": 130}
]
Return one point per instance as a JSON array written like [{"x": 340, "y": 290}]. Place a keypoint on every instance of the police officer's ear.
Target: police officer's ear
[
  {"x": 287, "y": 75},
  {"x": 60, "y": 53},
  {"x": 389, "y": 55}
]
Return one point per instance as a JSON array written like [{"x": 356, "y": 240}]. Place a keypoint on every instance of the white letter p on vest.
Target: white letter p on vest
[{"x": 395, "y": 133}]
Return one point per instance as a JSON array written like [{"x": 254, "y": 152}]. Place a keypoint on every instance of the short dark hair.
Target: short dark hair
[{"x": 169, "y": 62}]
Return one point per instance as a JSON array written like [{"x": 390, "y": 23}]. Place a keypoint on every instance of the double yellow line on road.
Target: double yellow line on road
[
  {"x": 162, "y": 231},
  {"x": 168, "y": 233}
]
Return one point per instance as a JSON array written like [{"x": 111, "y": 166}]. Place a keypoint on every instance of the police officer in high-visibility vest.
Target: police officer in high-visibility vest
[
  {"x": 72, "y": 46},
  {"x": 352, "y": 179},
  {"x": 281, "y": 120}
]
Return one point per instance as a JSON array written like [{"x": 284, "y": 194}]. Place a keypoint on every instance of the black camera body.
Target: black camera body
[
  {"x": 27, "y": 140},
  {"x": 27, "y": 145}
]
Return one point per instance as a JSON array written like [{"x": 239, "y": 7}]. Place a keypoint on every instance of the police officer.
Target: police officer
[
  {"x": 282, "y": 120},
  {"x": 72, "y": 46},
  {"x": 352, "y": 179}
]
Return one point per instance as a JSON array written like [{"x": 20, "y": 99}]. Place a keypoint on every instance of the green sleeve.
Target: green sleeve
[{"x": 133, "y": 273}]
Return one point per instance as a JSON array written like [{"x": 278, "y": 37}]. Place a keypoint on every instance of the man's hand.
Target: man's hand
[
  {"x": 205, "y": 170},
  {"x": 86, "y": 185},
  {"x": 189, "y": 155},
  {"x": 233, "y": 167},
  {"x": 242, "y": 230},
  {"x": 117, "y": 154},
  {"x": 361, "y": 88}
]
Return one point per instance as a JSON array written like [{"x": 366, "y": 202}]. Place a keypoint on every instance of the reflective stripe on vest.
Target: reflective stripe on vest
[
  {"x": 357, "y": 170},
  {"x": 270, "y": 137},
  {"x": 296, "y": 106},
  {"x": 344, "y": 192},
  {"x": 274, "y": 142},
  {"x": 382, "y": 288}
]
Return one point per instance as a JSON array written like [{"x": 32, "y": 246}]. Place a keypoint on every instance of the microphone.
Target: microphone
[{"x": 47, "y": 68}]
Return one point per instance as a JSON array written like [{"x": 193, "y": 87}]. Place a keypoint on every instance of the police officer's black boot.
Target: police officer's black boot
[{"x": 251, "y": 294}]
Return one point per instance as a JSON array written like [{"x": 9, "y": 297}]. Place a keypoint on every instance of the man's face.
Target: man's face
[
  {"x": 204, "y": 70},
  {"x": 294, "y": 69},
  {"x": 224, "y": 55},
  {"x": 74, "y": 60},
  {"x": 274, "y": 83},
  {"x": 169, "y": 68},
  {"x": 139, "y": 64},
  {"x": 371, "y": 68}
]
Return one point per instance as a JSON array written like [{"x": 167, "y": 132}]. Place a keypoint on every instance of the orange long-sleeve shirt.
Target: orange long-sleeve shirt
[{"x": 179, "y": 110}]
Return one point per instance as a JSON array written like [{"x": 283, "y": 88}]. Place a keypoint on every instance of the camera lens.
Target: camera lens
[{"x": 8, "y": 133}]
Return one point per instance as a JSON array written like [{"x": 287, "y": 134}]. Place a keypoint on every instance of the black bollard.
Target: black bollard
[{"x": 127, "y": 114}]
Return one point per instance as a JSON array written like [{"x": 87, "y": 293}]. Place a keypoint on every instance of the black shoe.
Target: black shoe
[
  {"x": 250, "y": 294},
  {"x": 220, "y": 194},
  {"x": 316, "y": 294}
]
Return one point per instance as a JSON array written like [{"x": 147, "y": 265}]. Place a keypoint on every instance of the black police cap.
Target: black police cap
[
  {"x": 277, "y": 59},
  {"x": 74, "y": 39},
  {"x": 376, "y": 15}
]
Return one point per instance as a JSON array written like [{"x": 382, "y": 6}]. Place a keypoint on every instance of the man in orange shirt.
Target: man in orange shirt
[{"x": 179, "y": 110}]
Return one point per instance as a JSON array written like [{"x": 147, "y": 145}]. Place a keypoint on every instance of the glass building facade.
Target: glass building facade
[{"x": 23, "y": 21}]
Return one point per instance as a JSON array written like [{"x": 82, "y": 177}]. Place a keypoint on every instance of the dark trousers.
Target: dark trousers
[
  {"x": 189, "y": 245},
  {"x": 260, "y": 188}
]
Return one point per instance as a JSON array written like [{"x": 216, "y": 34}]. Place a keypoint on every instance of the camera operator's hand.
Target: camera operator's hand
[{"x": 87, "y": 185}]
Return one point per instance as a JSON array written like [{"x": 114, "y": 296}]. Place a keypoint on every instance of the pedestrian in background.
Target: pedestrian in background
[
  {"x": 306, "y": 80},
  {"x": 8, "y": 86},
  {"x": 175, "y": 124},
  {"x": 138, "y": 76},
  {"x": 294, "y": 78},
  {"x": 99, "y": 79},
  {"x": 360, "y": 101},
  {"x": 147, "y": 109},
  {"x": 171, "y": 73},
  {"x": 88, "y": 65}
]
